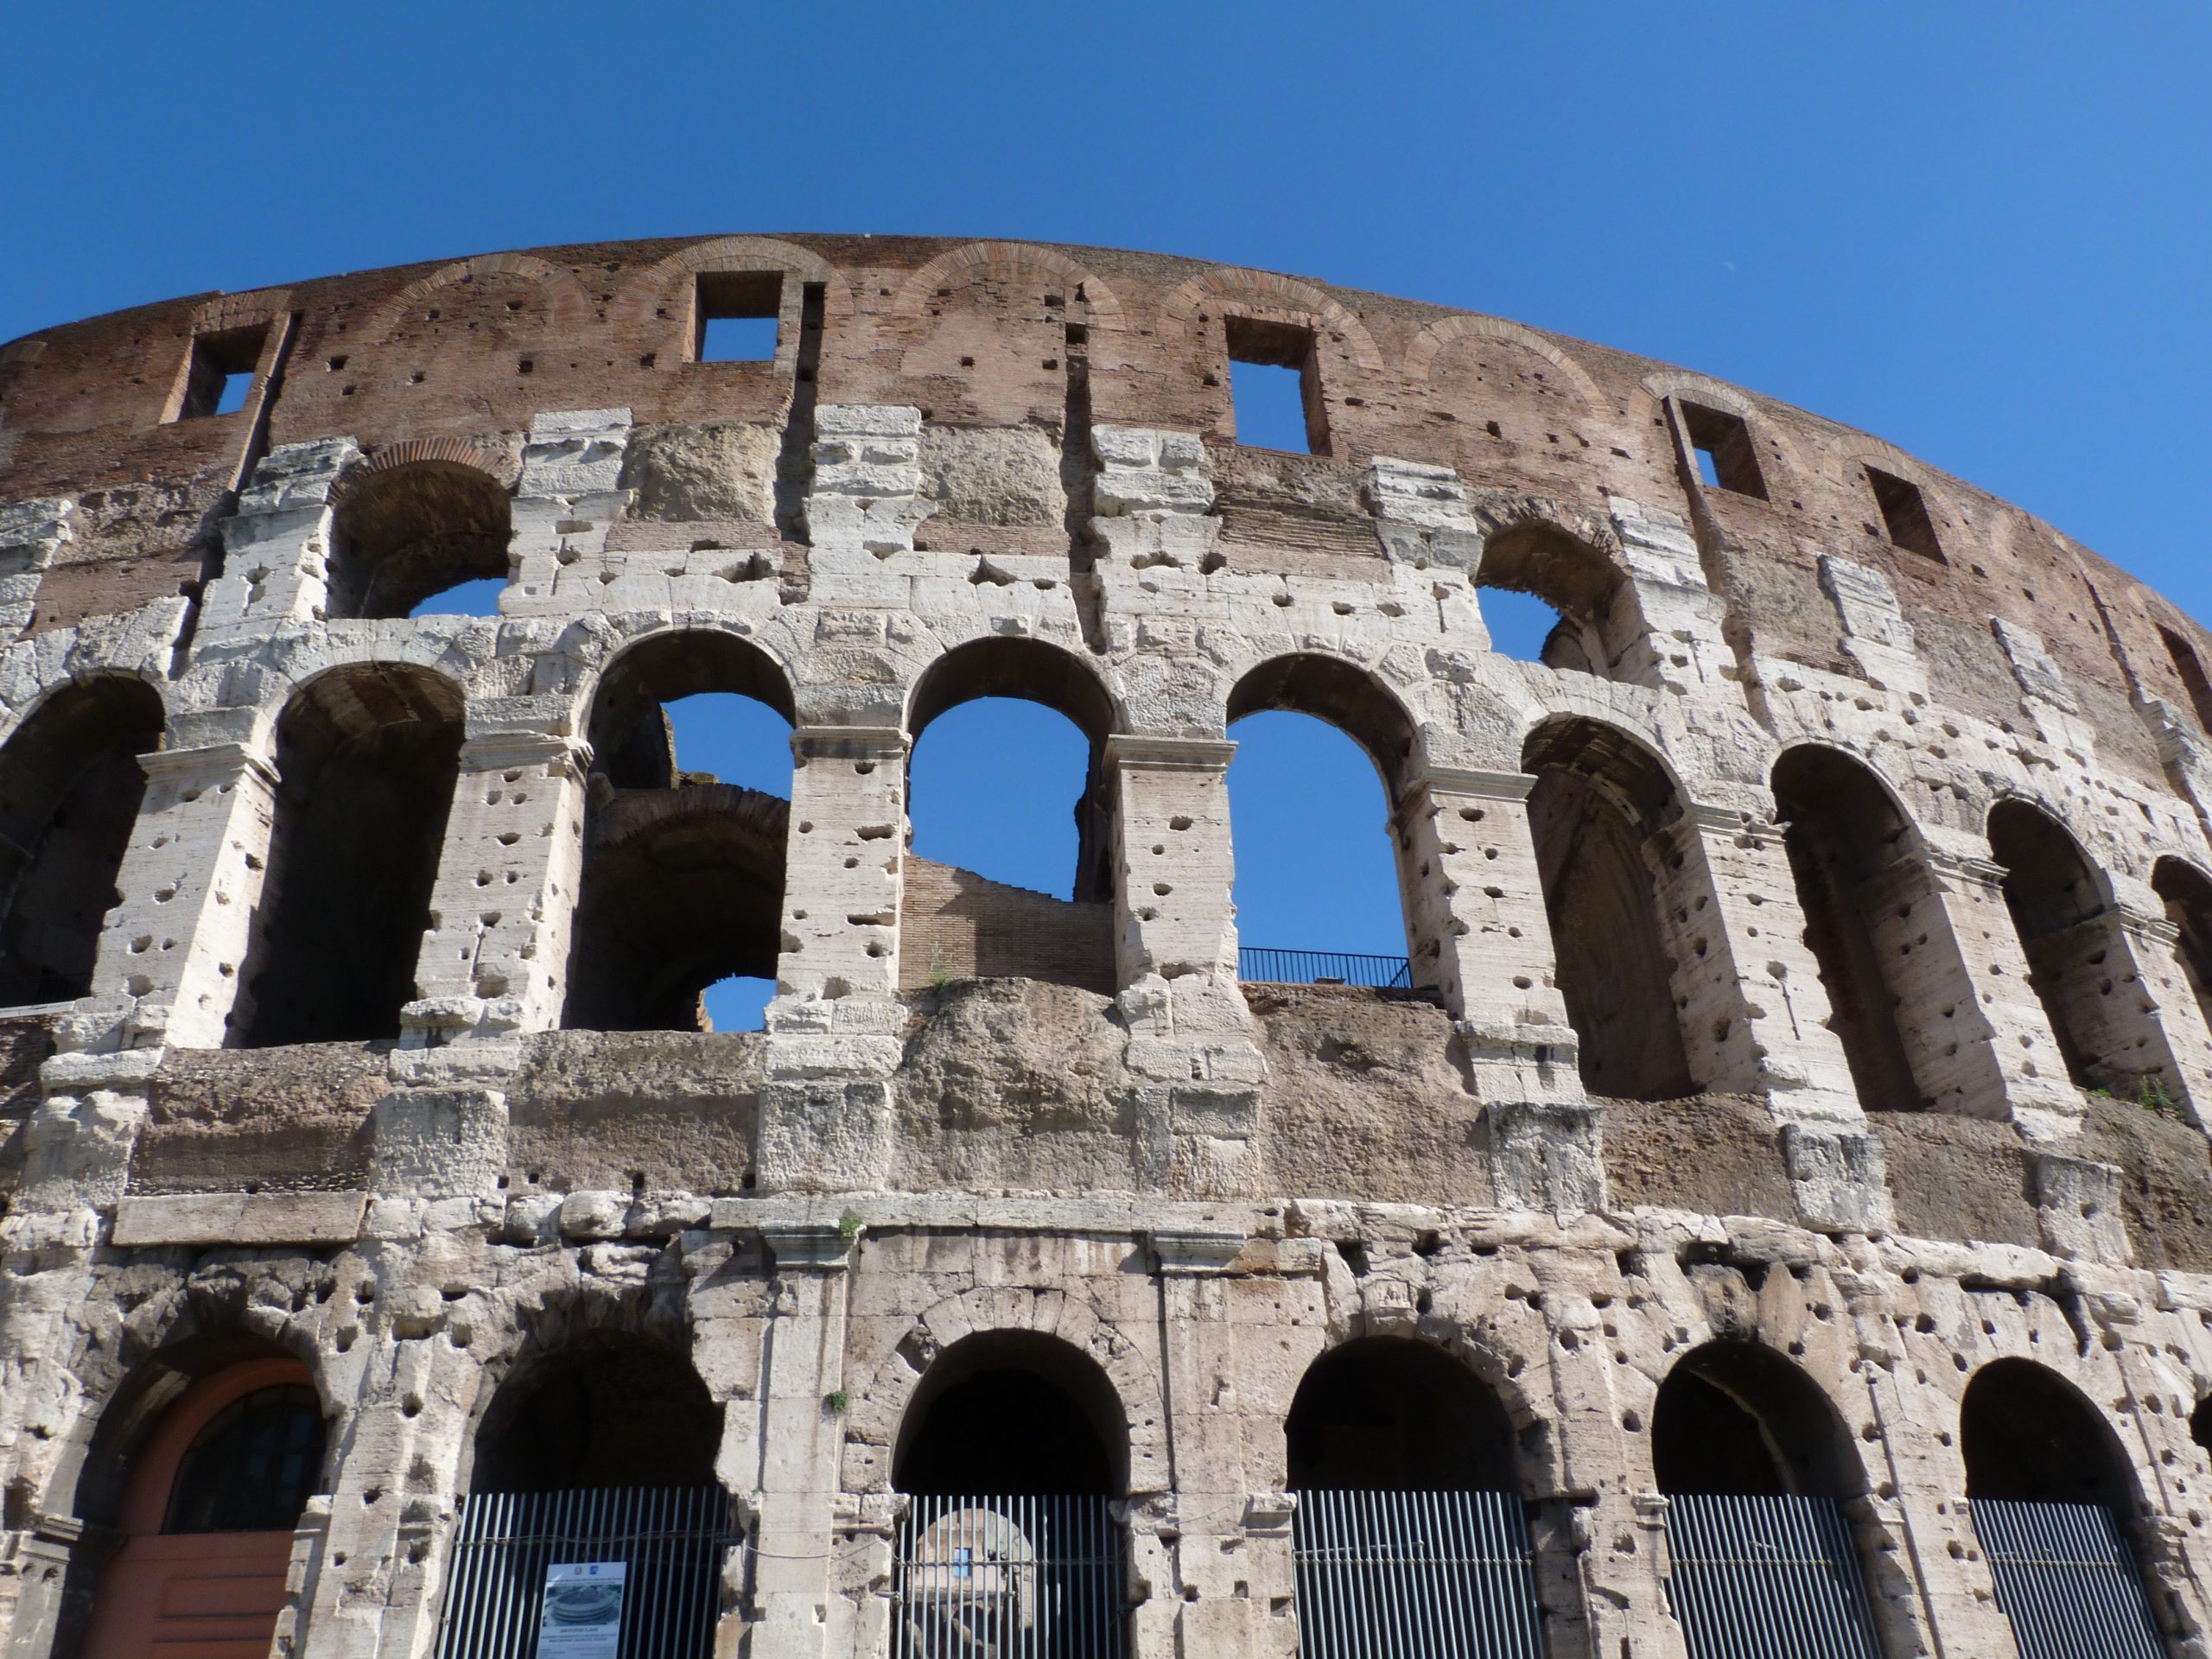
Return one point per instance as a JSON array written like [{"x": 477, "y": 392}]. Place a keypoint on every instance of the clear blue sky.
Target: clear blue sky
[{"x": 1979, "y": 229}]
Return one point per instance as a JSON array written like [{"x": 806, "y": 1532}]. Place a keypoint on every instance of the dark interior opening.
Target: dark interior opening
[
  {"x": 1843, "y": 833},
  {"x": 1721, "y": 444},
  {"x": 70, "y": 789},
  {"x": 1390, "y": 1414},
  {"x": 366, "y": 761},
  {"x": 2053, "y": 895},
  {"x": 1263, "y": 405},
  {"x": 1734, "y": 1419},
  {"x": 2188, "y": 894},
  {"x": 607, "y": 1410},
  {"x": 683, "y": 875},
  {"x": 1597, "y": 804},
  {"x": 221, "y": 372},
  {"x": 1904, "y": 513},
  {"x": 2190, "y": 668},
  {"x": 406, "y": 533},
  {"x": 2200, "y": 1423},
  {"x": 2028, "y": 1436},
  {"x": 1013, "y": 1414}
]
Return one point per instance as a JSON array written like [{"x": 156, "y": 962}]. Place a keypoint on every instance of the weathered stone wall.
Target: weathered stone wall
[{"x": 998, "y": 469}]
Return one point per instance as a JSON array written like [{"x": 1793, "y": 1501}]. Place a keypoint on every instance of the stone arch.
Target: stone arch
[
  {"x": 1425, "y": 346},
  {"x": 568, "y": 302},
  {"x": 683, "y": 877},
  {"x": 880, "y": 1407},
  {"x": 1346, "y": 694},
  {"x": 2062, "y": 908},
  {"x": 70, "y": 788},
  {"x": 2028, "y": 1432},
  {"x": 367, "y": 756},
  {"x": 1737, "y": 1418},
  {"x": 1877, "y": 928},
  {"x": 1034, "y": 670},
  {"x": 971, "y": 260},
  {"x": 1571, "y": 563},
  {"x": 1604, "y": 814},
  {"x": 1263, "y": 293},
  {"x": 2186, "y": 890},
  {"x": 1449, "y": 1413},
  {"x": 412, "y": 521}
]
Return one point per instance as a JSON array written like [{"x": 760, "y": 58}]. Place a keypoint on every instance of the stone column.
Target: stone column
[
  {"x": 2154, "y": 942},
  {"x": 1475, "y": 910},
  {"x": 1190, "y": 1048},
  {"x": 173, "y": 950},
  {"x": 1756, "y": 1017},
  {"x": 495, "y": 956},
  {"x": 833, "y": 1027},
  {"x": 1225, "y": 1573},
  {"x": 786, "y": 1453},
  {"x": 2023, "y": 1076},
  {"x": 276, "y": 548}
]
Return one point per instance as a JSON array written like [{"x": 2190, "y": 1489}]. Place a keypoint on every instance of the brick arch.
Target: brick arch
[
  {"x": 1264, "y": 294},
  {"x": 958, "y": 265},
  {"x": 568, "y": 302},
  {"x": 656, "y": 285},
  {"x": 498, "y": 463},
  {"x": 1422, "y": 352},
  {"x": 1718, "y": 394},
  {"x": 878, "y": 1405},
  {"x": 745, "y": 253}
]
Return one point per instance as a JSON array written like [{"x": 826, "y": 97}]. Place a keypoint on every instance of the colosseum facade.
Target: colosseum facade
[{"x": 1772, "y": 1216}]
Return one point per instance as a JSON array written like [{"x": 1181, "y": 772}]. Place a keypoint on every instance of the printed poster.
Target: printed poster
[{"x": 583, "y": 1611}]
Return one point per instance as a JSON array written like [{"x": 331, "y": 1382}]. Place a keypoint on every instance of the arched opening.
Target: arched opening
[
  {"x": 1009, "y": 863},
  {"x": 1753, "y": 1460},
  {"x": 1600, "y": 814},
  {"x": 1011, "y": 1450},
  {"x": 1846, "y": 840},
  {"x": 2053, "y": 1506},
  {"x": 1549, "y": 598},
  {"x": 1409, "y": 1515},
  {"x": 204, "y": 1476},
  {"x": 70, "y": 785},
  {"x": 680, "y": 917},
  {"x": 1321, "y": 896},
  {"x": 2064, "y": 917},
  {"x": 606, "y": 1444},
  {"x": 2187, "y": 892},
  {"x": 2200, "y": 1424},
  {"x": 1393, "y": 1415},
  {"x": 407, "y": 534},
  {"x": 366, "y": 761}
]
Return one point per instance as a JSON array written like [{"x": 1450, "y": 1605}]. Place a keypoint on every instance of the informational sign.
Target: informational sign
[{"x": 583, "y": 1611}]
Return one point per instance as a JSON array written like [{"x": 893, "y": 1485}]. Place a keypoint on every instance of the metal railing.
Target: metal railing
[
  {"x": 2066, "y": 1579},
  {"x": 1009, "y": 1578},
  {"x": 1413, "y": 1575},
  {"x": 1755, "y": 1577},
  {"x": 1262, "y": 965},
  {"x": 672, "y": 1542}
]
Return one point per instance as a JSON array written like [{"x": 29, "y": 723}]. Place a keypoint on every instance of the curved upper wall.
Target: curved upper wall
[{"x": 976, "y": 335}]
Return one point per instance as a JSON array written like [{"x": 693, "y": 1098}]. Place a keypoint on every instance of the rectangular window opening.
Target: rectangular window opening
[
  {"x": 1275, "y": 387},
  {"x": 736, "y": 316},
  {"x": 1904, "y": 513},
  {"x": 222, "y": 370},
  {"x": 1721, "y": 444}
]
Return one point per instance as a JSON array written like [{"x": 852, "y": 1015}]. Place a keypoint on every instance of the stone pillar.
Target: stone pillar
[
  {"x": 276, "y": 547},
  {"x": 1224, "y": 1578},
  {"x": 2145, "y": 1022},
  {"x": 2154, "y": 942},
  {"x": 1190, "y": 1050},
  {"x": 173, "y": 950},
  {"x": 787, "y": 1452},
  {"x": 495, "y": 957},
  {"x": 833, "y": 1027},
  {"x": 2004, "y": 1019},
  {"x": 1755, "y": 1018}
]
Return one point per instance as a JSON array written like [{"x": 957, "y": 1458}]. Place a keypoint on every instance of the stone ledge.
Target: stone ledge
[{"x": 212, "y": 1218}]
